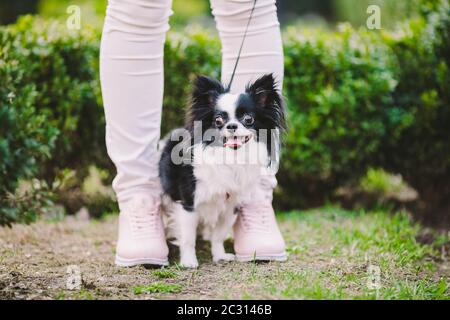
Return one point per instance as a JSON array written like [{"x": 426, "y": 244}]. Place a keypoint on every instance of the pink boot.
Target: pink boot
[
  {"x": 256, "y": 234},
  {"x": 141, "y": 233}
]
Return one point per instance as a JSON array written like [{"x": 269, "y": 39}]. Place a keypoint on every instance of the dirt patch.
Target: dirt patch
[{"x": 34, "y": 263}]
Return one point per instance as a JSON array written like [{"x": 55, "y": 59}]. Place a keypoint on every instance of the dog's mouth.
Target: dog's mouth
[{"x": 235, "y": 142}]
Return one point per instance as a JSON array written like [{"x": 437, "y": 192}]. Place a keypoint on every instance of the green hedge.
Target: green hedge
[
  {"x": 61, "y": 70},
  {"x": 50, "y": 107},
  {"x": 339, "y": 89},
  {"x": 356, "y": 99},
  {"x": 26, "y": 136},
  {"x": 420, "y": 148}
]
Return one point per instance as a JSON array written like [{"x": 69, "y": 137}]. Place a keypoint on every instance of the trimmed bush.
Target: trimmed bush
[
  {"x": 420, "y": 148},
  {"x": 358, "y": 100},
  {"x": 26, "y": 137},
  {"x": 339, "y": 88},
  {"x": 51, "y": 113},
  {"x": 62, "y": 67}
]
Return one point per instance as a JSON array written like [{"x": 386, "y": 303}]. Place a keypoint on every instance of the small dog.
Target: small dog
[{"x": 209, "y": 168}]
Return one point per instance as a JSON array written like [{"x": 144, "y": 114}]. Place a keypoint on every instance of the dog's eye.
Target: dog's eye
[
  {"x": 248, "y": 120},
  {"x": 219, "y": 121}
]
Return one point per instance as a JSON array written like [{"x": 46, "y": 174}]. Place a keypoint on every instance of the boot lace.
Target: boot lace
[
  {"x": 255, "y": 217},
  {"x": 144, "y": 218}
]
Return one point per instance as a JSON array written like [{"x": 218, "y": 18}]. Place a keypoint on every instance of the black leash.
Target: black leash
[{"x": 242, "y": 45}]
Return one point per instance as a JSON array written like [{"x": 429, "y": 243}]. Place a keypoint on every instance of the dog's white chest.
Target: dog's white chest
[
  {"x": 225, "y": 173},
  {"x": 224, "y": 178}
]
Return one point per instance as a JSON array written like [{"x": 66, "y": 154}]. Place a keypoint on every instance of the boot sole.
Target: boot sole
[
  {"x": 262, "y": 257},
  {"x": 121, "y": 262}
]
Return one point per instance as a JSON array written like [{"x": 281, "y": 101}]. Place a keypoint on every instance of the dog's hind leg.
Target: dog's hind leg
[
  {"x": 187, "y": 235},
  {"x": 218, "y": 236}
]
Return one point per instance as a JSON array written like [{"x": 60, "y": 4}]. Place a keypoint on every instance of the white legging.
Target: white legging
[{"x": 131, "y": 72}]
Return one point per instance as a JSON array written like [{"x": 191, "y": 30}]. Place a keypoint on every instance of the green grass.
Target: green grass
[
  {"x": 338, "y": 248},
  {"x": 333, "y": 254},
  {"x": 165, "y": 274},
  {"x": 82, "y": 294},
  {"x": 158, "y": 287}
]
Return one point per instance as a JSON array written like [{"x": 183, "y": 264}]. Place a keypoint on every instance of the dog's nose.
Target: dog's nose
[{"x": 232, "y": 127}]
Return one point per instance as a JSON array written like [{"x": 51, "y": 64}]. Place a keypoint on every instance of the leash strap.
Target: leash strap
[{"x": 242, "y": 45}]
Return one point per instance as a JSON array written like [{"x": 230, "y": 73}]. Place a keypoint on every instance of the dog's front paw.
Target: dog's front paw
[
  {"x": 189, "y": 262},
  {"x": 225, "y": 257}
]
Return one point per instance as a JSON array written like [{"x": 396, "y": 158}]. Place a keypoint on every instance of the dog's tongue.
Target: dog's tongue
[{"x": 233, "y": 142}]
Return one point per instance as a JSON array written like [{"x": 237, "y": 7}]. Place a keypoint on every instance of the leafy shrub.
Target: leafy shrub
[
  {"x": 50, "y": 104},
  {"x": 31, "y": 199},
  {"x": 357, "y": 100},
  {"x": 62, "y": 69},
  {"x": 339, "y": 88},
  {"x": 26, "y": 136},
  {"x": 420, "y": 149}
]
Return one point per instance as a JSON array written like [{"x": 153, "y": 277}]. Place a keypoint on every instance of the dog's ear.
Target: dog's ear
[
  {"x": 266, "y": 96},
  {"x": 264, "y": 91},
  {"x": 206, "y": 91}
]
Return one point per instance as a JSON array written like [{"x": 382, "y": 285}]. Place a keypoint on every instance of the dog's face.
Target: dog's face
[{"x": 236, "y": 119}]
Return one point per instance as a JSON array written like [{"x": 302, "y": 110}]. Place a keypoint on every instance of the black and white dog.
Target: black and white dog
[{"x": 208, "y": 168}]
